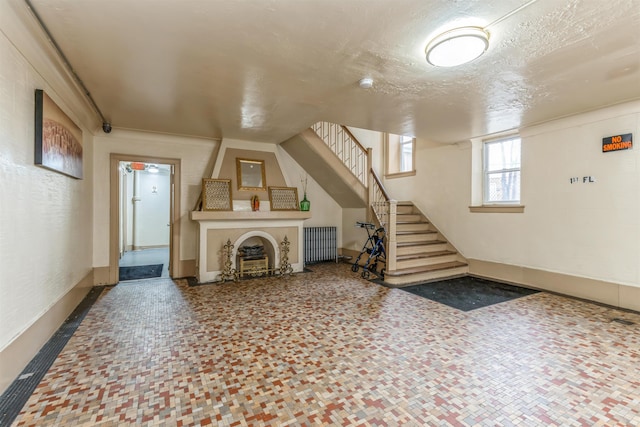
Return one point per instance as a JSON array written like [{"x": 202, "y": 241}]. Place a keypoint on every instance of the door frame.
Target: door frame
[{"x": 114, "y": 214}]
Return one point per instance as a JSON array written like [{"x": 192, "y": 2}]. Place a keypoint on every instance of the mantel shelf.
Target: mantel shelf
[{"x": 249, "y": 215}]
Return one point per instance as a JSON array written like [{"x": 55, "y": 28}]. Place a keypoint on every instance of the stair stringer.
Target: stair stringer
[
  {"x": 310, "y": 152},
  {"x": 437, "y": 259}
]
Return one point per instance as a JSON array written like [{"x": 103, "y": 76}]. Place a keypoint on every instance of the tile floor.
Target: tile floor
[
  {"x": 147, "y": 257},
  {"x": 328, "y": 348}
]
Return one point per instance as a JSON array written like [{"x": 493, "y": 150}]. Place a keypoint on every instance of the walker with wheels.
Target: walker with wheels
[{"x": 374, "y": 248}]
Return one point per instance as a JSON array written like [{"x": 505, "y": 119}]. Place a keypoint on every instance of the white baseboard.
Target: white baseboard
[{"x": 613, "y": 294}]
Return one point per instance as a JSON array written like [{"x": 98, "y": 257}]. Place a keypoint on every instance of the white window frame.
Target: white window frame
[
  {"x": 393, "y": 169},
  {"x": 486, "y": 172},
  {"x": 406, "y": 141}
]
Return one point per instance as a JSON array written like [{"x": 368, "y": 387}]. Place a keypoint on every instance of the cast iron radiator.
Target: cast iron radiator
[{"x": 320, "y": 244}]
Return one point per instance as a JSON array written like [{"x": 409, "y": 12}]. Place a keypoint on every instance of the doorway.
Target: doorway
[
  {"x": 144, "y": 220},
  {"x": 144, "y": 224}
]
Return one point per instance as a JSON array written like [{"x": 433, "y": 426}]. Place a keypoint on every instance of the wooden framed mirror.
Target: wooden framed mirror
[{"x": 251, "y": 175}]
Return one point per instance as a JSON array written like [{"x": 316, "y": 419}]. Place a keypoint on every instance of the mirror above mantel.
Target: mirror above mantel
[{"x": 251, "y": 175}]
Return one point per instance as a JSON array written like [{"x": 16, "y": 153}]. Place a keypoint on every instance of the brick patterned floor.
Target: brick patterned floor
[{"x": 328, "y": 348}]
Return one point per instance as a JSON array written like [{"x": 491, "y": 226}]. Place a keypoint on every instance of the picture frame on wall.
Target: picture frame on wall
[{"x": 58, "y": 140}]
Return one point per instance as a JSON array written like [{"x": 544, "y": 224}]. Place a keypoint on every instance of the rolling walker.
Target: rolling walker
[{"x": 374, "y": 248}]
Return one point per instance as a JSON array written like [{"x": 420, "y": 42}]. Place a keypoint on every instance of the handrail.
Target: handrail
[
  {"x": 346, "y": 147},
  {"x": 383, "y": 190},
  {"x": 346, "y": 129},
  {"x": 379, "y": 200},
  {"x": 385, "y": 210}
]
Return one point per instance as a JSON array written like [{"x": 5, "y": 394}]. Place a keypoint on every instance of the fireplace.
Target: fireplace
[
  {"x": 246, "y": 228},
  {"x": 254, "y": 257}
]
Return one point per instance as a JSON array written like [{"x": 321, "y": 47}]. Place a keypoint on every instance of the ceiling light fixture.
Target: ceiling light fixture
[
  {"x": 366, "y": 83},
  {"x": 457, "y": 46}
]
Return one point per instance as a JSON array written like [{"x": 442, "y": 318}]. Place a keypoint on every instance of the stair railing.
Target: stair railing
[
  {"x": 344, "y": 145},
  {"x": 385, "y": 210}
]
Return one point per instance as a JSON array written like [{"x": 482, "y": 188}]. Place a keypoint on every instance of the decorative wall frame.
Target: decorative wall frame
[
  {"x": 283, "y": 198},
  {"x": 216, "y": 195},
  {"x": 251, "y": 175},
  {"x": 58, "y": 140}
]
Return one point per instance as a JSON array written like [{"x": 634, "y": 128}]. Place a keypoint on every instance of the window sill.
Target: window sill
[
  {"x": 497, "y": 209},
  {"x": 399, "y": 174}
]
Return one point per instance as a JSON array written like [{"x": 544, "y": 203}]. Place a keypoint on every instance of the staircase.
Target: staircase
[
  {"x": 416, "y": 251},
  {"x": 421, "y": 252},
  {"x": 333, "y": 149}
]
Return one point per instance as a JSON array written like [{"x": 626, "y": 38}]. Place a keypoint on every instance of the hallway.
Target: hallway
[
  {"x": 329, "y": 348},
  {"x": 147, "y": 257}
]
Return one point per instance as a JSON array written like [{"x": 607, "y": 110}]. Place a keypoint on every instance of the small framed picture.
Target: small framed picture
[
  {"x": 284, "y": 198},
  {"x": 216, "y": 195}
]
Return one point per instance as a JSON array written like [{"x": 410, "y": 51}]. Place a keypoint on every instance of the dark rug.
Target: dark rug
[
  {"x": 140, "y": 272},
  {"x": 468, "y": 293}
]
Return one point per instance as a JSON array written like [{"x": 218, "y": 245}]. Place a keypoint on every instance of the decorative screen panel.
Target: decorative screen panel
[
  {"x": 283, "y": 198},
  {"x": 216, "y": 195}
]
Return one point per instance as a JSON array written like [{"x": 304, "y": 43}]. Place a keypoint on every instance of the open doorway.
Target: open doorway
[
  {"x": 145, "y": 195},
  {"x": 144, "y": 220}
]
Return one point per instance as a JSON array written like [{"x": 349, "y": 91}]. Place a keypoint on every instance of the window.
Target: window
[
  {"x": 399, "y": 155},
  {"x": 406, "y": 154},
  {"x": 501, "y": 170}
]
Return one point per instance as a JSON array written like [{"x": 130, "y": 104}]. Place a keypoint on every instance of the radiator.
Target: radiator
[{"x": 320, "y": 244}]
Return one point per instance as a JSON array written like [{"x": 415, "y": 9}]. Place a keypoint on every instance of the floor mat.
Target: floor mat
[
  {"x": 468, "y": 293},
  {"x": 140, "y": 272}
]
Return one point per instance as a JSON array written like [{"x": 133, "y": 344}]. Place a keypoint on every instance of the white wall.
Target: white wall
[
  {"x": 45, "y": 217},
  {"x": 586, "y": 230},
  {"x": 374, "y": 140},
  {"x": 129, "y": 209},
  {"x": 194, "y": 154},
  {"x": 325, "y": 212},
  {"x": 152, "y": 209}
]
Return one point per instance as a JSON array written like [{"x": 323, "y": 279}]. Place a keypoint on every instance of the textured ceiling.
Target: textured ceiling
[{"x": 263, "y": 70}]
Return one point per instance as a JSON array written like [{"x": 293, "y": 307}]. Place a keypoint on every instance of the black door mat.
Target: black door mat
[
  {"x": 468, "y": 293},
  {"x": 140, "y": 272}
]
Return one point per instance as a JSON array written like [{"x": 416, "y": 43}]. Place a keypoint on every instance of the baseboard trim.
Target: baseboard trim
[
  {"x": 349, "y": 253},
  {"x": 101, "y": 276},
  {"x": 141, "y": 248},
  {"x": 187, "y": 268},
  {"x": 21, "y": 350},
  {"x": 609, "y": 293}
]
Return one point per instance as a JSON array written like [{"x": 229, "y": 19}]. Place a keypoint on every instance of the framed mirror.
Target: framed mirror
[{"x": 251, "y": 176}]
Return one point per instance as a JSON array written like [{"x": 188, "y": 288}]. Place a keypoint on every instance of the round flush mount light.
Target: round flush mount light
[
  {"x": 366, "y": 83},
  {"x": 457, "y": 46}
]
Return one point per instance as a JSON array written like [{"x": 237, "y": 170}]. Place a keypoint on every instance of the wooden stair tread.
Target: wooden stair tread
[
  {"x": 419, "y": 243},
  {"x": 427, "y": 268},
  {"x": 424, "y": 255},
  {"x": 412, "y": 222},
  {"x": 404, "y": 233}
]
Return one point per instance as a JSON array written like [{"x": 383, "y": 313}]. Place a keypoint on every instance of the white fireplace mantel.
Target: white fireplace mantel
[{"x": 249, "y": 215}]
